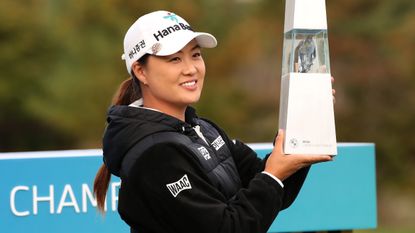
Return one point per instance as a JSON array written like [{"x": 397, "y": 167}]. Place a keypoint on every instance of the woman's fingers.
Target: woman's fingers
[
  {"x": 307, "y": 160},
  {"x": 280, "y": 141},
  {"x": 312, "y": 159}
]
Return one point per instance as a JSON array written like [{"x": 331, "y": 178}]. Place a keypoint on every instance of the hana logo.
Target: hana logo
[{"x": 172, "y": 17}]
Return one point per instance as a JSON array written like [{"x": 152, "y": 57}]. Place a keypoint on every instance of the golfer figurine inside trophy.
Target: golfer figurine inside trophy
[
  {"x": 305, "y": 53},
  {"x": 306, "y": 102}
]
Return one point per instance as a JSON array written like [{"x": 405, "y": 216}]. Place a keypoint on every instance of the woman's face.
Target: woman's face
[{"x": 173, "y": 81}]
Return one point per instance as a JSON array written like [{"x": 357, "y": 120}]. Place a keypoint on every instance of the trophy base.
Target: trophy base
[{"x": 307, "y": 114}]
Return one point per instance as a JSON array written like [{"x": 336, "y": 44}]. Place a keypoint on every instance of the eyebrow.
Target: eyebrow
[{"x": 194, "y": 47}]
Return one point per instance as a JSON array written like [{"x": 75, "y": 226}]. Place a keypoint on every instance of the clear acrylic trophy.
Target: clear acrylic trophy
[{"x": 306, "y": 102}]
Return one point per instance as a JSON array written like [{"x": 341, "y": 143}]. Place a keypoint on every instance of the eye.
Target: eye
[
  {"x": 197, "y": 54},
  {"x": 175, "y": 59}
]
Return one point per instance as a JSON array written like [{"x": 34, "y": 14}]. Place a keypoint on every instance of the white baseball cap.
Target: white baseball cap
[{"x": 160, "y": 33}]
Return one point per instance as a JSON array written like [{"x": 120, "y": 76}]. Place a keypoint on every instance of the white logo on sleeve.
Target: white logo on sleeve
[{"x": 176, "y": 187}]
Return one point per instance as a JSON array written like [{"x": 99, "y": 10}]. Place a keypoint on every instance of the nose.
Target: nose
[{"x": 190, "y": 67}]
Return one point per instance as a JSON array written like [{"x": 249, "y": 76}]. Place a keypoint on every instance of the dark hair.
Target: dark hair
[{"x": 128, "y": 92}]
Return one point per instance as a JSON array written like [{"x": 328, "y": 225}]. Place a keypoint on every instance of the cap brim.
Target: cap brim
[
  {"x": 205, "y": 40},
  {"x": 180, "y": 40}
]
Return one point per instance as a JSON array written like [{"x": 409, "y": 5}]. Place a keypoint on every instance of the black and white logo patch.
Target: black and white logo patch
[
  {"x": 176, "y": 187},
  {"x": 218, "y": 143},
  {"x": 204, "y": 152}
]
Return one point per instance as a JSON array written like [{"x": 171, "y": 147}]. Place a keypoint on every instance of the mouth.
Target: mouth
[{"x": 189, "y": 84}]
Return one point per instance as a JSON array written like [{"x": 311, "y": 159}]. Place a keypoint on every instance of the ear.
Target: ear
[{"x": 139, "y": 72}]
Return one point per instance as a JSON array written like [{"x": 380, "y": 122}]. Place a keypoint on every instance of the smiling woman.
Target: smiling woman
[
  {"x": 171, "y": 83},
  {"x": 179, "y": 172}
]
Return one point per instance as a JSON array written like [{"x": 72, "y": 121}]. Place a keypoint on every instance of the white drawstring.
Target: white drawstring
[{"x": 199, "y": 133}]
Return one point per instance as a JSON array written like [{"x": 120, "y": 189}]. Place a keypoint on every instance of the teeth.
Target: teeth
[{"x": 188, "y": 84}]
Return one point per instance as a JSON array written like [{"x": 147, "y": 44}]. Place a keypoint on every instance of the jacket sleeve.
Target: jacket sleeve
[
  {"x": 246, "y": 160},
  {"x": 168, "y": 184},
  {"x": 248, "y": 165}
]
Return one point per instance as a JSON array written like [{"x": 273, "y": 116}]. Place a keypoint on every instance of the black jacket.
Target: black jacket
[{"x": 147, "y": 204}]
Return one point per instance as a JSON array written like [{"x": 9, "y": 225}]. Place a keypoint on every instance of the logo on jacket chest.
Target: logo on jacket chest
[
  {"x": 218, "y": 143},
  {"x": 176, "y": 187},
  {"x": 204, "y": 152}
]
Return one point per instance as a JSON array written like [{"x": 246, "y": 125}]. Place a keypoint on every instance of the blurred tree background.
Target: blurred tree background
[{"x": 60, "y": 65}]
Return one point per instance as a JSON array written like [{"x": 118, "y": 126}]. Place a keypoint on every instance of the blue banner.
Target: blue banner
[{"x": 51, "y": 191}]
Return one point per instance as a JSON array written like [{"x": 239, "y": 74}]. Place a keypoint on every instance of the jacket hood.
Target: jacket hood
[{"x": 128, "y": 125}]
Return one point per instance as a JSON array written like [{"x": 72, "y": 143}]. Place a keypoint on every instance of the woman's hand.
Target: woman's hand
[{"x": 282, "y": 166}]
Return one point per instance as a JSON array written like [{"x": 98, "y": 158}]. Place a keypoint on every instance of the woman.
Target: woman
[{"x": 179, "y": 172}]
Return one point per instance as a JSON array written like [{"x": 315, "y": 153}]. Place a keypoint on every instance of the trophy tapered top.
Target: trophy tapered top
[{"x": 305, "y": 14}]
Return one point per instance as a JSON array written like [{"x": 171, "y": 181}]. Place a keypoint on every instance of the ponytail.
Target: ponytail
[
  {"x": 128, "y": 92},
  {"x": 101, "y": 182}
]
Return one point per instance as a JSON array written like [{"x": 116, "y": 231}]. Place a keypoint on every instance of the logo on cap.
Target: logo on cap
[
  {"x": 172, "y": 17},
  {"x": 171, "y": 29},
  {"x": 155, "y": 48},
  {"x": 136, "y": 49}
]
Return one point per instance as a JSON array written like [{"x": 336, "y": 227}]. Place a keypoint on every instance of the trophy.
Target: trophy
[{"x": 306, "y": 102}]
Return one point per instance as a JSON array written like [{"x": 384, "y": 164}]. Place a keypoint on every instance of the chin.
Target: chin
[{"x": 192, "y": 100}]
